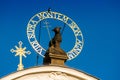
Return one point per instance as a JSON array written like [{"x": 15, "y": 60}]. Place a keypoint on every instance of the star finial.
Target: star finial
[{"x": 20, "y": 52}]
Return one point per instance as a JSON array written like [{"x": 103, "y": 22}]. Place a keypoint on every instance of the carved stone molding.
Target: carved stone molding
[
  {"x": 58, "y": 76},
  {"x": 49, "y": 73}
]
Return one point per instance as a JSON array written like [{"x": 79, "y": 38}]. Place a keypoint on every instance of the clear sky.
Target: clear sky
[{"x": 99, "y": 21}]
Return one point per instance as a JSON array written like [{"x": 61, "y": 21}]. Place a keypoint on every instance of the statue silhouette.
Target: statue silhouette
[
  {"x": 55, "y": 42},
  {"x": 54, "y": 48}
]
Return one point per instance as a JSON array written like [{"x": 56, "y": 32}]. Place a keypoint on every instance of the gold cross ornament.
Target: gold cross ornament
[{"x": 20, "y": 52}]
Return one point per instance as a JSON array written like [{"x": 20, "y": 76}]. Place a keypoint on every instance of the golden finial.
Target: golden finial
[{"x": 20, "y": 52}]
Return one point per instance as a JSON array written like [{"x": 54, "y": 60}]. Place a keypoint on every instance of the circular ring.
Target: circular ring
[{"x": 58, "y": 16}]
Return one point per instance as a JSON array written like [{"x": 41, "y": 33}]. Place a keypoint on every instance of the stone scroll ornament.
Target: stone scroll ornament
[
  {"x": 37, "y": 18},
  {"x": 58, "y": 76}
]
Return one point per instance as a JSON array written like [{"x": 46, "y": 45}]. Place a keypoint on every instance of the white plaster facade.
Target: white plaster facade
[{"x": 49, "y": 73}]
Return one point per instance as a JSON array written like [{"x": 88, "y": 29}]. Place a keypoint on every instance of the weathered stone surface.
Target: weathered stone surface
[
  {"x": 49, "y": 73},
  {"x": 55, "y": 55}
]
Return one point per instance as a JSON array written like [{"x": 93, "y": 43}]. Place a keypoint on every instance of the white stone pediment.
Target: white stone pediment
[{"x": 49, "y": 73}]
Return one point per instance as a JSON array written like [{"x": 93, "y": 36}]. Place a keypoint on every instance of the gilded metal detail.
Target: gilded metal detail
[{"x": 20, "y": 52}]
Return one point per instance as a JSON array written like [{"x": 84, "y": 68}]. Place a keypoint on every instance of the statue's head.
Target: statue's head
[{"x": 57, "y": 29}]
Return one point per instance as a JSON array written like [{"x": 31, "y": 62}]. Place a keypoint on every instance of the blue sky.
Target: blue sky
[{"x": 99, "y": 21}]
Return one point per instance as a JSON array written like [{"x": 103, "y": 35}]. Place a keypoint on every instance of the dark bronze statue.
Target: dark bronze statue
[
  {"x": 54, "y": 47},
  {"x": 55, "y": 42}
]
